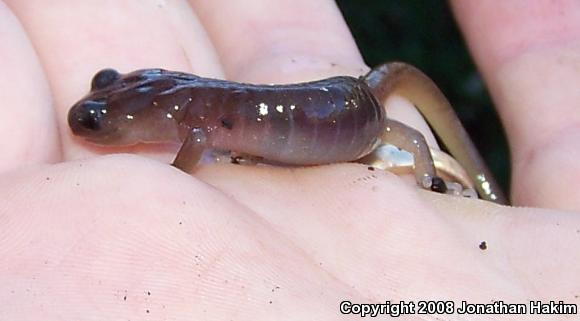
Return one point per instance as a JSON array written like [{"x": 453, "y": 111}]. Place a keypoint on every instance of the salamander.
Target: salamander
[{"x": 338, "y": 119}]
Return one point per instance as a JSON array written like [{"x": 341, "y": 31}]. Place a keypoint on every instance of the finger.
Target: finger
[
  {"x": 286, "y": 41},
  {"x": 373, "y": 232},
  {"x": 28, "y": 132},
  {"x": 74, "y": 39},
  {"x": 529, "y": 53},
  {"x": 274, "y": 40},
  {"x": 541, "y": 236},
  {"x": 188, "y": 253}
]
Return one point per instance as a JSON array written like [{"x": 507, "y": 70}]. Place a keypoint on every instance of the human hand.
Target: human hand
[{"x": 124, "y": 237}]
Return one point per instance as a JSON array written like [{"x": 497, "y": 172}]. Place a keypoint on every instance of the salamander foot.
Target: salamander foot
[{"x": 438, "y": 185}]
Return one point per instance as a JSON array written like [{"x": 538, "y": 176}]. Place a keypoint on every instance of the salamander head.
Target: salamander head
[{"x": 123, "y": 109}]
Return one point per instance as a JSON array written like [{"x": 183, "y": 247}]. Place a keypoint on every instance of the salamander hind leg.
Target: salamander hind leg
[
  {"x": 413, "y": 141},
  {"x": 191, "y": 150},
  {"x": 407, "y": 81}
]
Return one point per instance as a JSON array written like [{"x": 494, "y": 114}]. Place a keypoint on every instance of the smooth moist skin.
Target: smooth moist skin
[
  {"x": 338, "y": 119},
  {"x": 326, "y": 121}
]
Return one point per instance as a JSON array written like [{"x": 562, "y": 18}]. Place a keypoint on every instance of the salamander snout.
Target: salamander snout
[{"x": 86, "y": 118}]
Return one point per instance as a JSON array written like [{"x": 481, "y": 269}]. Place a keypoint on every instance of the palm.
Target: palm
[{"x": 127, "y": 237}]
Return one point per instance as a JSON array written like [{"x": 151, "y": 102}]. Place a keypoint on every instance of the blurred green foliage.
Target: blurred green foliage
[{"x": 424, "y": 33}]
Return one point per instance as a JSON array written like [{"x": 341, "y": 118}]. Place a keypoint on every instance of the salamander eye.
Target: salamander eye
[{"x": 104, "y": 78}]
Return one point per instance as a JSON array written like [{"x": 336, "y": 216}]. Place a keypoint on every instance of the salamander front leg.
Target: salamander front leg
[
  {"x": 191, "y": 150},
  {"x": 414, "y": 142}
]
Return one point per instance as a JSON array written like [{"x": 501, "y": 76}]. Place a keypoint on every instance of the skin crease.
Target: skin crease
[{"x": 92, "y": 237}]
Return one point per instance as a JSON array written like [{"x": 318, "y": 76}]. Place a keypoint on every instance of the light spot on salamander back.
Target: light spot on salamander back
[{"x": 263, "y": 109}]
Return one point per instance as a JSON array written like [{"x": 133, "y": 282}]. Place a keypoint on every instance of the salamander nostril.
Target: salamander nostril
[{"x": 104, "y": 78}]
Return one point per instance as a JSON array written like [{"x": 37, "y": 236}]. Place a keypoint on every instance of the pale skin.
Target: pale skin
[{"x": 85, "y": 236}]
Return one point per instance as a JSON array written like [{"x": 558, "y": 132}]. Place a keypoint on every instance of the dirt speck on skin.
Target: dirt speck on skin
[
  {"x": 147, "y": 311},
  {"x": 370, "y": 168},
  {"x": 125, "y": 298},
  {"x": 275, "y": 288},
  {"x": 483, "y": 245},
  {"x": 236, "y": 160},
  {"x": 48, "y": 178}
]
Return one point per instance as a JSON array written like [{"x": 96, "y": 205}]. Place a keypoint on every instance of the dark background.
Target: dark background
[{"x": 424, "y": 33}]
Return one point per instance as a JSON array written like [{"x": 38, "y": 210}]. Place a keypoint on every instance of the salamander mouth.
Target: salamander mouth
[{"x": 112, "y": 137}]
